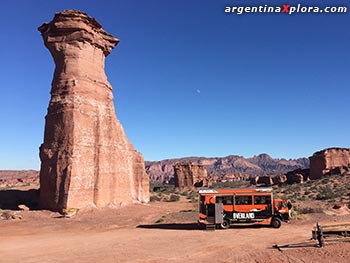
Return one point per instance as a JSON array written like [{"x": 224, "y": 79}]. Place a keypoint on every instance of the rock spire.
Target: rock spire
[{"x": 86, "y": 159}]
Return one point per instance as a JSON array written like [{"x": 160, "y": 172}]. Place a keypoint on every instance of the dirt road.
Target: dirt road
[{"x": 131, "y": 234}]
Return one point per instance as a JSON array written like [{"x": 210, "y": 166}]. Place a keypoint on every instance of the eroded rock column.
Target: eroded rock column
[
  {"x": 86, "y": 158},
  {"x": 190, "y": 174}
]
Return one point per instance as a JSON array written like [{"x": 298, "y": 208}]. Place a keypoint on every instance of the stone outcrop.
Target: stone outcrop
[
  {"x": 190, "y": 174},
  {"x": 298, "y": 176},
  {"x": 230, "y": 177},
  {"x": 279, "y": 179},
  {"x": 86, "y": 159},
  {"x": 329, "y": 161},
  {"x": 269, "y": 180},
  {"x": 262, "y": 181},
  {"x": 295, "y": 178}
]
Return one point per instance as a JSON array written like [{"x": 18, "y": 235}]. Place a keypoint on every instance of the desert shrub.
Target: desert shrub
[
  {"x": 183, "y": 193},
  {"x": 156, "y": 189},
  {"x": 193, "y": 196},
  {"x": 154, "y": 198},
  {"x": 162, "y": 188},
  {"x": 294, "y": 213},
  {"x": 325, "y": 180},
  {"x": 187, "y": 211},
  {"x": 313, "y": 188},
  {"x": 307, "y": 210},
  {"x": 339, "y": 192},
  {"x": 288, "y": 190},
  {"x": 174, "y": 198},
  {"x": 308, "y": 183},
  {"x": 160, "y": 220},
  {"x": 325, "y": 194},
  {"x": 302, "y": 198},
  {"x": 239, "y": 184},
  {"x": 70, "y": 210},
  {"x": 194, "y": 199},
  {"x": 296, "y": 187}
]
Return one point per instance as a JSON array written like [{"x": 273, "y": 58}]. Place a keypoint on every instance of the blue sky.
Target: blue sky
[{"x": 190, "y": 80}]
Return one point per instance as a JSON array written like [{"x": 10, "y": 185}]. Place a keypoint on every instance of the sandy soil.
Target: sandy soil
[{"x": 130, "y": 234}]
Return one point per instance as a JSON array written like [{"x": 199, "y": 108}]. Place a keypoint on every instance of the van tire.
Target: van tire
[
  {"x": 276, "y": 222},
  {"x": 225, "y": 224}
]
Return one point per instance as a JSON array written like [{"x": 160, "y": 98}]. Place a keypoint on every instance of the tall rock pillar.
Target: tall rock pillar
[{"x": 86, "y": 159}]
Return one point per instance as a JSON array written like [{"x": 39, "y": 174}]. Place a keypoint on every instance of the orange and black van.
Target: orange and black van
[{"x": 225, "y": 207}]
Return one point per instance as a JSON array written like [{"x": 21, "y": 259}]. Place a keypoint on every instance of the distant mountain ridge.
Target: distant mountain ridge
[{"x": 232, "y": 166}]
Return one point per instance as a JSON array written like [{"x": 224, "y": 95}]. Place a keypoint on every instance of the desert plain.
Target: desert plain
[{"x": 160, "y": 232}]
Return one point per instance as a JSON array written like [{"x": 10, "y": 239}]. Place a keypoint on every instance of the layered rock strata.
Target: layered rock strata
[
  {"x": 190, "y": 174},
  {"x": 328, "y": 160},
  {"x": 86, "y": 159}
]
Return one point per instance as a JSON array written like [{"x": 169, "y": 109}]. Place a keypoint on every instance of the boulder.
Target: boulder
[
  {"x": 254, "y": 180},
  {"x": 279, "y": 179},
  {"x": 86, "y": 159},
  {"x": 293, "y": 178},
  {"x": 264, "y": 180},
  {"x": 23, "y": 207},
  {"x": 297, "y": 176}
]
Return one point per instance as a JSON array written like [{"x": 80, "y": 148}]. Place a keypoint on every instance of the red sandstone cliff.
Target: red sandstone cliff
[{"x": 325, "y": 161}]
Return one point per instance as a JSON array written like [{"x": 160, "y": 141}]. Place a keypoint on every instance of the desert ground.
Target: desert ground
[{"x": 159, "y": 232}]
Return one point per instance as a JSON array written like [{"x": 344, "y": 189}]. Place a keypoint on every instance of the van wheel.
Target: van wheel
[
  {"x": 225, "y": 224},
  {"x": 276, "y": 222}
]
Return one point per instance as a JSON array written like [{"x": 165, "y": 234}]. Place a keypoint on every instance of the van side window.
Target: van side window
[
  {"x": 228, "y": 200},
  {"x": 262, "y": 200},
  {"x": 243, "y": 200}
]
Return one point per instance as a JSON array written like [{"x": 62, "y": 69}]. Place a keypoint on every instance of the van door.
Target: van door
[
  {"x": 211, "y": 213},
  {"x": 219, "y": 212}
]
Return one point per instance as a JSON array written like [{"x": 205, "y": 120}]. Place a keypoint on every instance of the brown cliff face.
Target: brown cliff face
[
  {"x": 86, "y": 159},
  {"x": 323, "y": 162},
  {"x": 189, "y": 174}
]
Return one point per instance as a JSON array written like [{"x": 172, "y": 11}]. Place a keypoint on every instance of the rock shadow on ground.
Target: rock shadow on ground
[{"x": 11, "y": 199}]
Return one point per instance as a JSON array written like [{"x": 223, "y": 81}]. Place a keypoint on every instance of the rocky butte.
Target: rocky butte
[
  {"x": 86, "y": 159},
  {"x": 328, "y": 161},
  {"x": 190, "y": 174}
]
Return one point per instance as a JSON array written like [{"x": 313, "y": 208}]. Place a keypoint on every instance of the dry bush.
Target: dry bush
[{"x": 174, "y": 198}]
